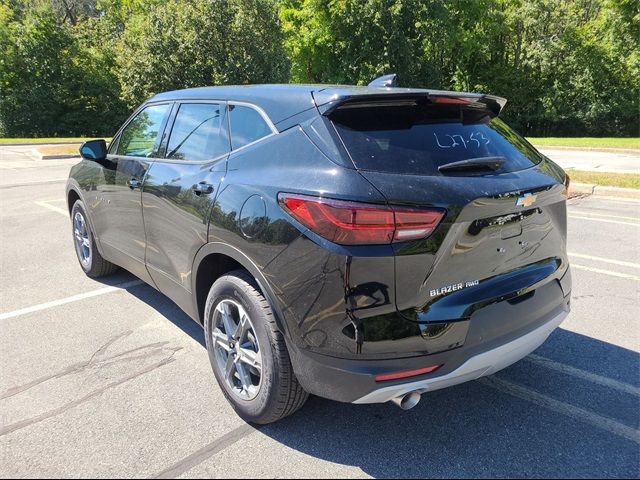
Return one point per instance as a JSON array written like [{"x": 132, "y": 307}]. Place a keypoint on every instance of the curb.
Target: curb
[
  {"x": 630, "y": 151},
  {"x": 604, "y": 191},
  {"x": 59, "y": 156},
  {"x": 56, "y": 157}
]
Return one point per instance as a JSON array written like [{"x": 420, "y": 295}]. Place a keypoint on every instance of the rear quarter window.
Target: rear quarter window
[
  {"x": 247, "y": 126},
  {"x": 419, "y": 138}
]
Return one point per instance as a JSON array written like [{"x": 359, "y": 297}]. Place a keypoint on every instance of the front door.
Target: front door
[{"x": 121, "y": 230}]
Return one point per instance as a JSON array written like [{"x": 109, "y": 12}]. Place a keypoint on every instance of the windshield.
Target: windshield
[{"x": 420, "y": 137}]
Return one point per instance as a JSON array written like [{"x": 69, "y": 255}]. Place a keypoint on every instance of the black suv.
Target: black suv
[{"x": 363, "y": 244}]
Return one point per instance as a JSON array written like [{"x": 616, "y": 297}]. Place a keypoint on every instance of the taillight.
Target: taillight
[
  {"x": 353, "y": 223},
  {"x": 567, "y": 186}
]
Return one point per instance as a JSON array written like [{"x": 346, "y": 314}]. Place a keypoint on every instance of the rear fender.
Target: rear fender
[{"x": 247, "y": 264}]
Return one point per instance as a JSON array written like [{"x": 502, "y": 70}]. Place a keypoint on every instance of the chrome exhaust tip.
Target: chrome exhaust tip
[{"x": 407, "y": 401}]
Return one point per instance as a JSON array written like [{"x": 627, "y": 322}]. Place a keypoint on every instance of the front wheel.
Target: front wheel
[
  {"x": 93, "y": 264},
  {"x": 248, "y": 353}
]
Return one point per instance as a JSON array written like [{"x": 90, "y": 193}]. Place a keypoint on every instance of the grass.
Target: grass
[
  {"x": 59, "y": 150},
  {"x": 624, "y": 180},
  {"x": 586, "y": 142},
  {"x": 47, "y": 139}
]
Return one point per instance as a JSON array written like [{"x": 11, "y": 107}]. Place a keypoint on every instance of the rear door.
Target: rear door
[
  {"x": 179, "y": 192},
  {"x": 505, "y": 229},
  {"x": 120, "y": 226}
]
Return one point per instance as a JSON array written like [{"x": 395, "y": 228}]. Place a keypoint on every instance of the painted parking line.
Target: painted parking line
[
  {"x": 71, "y": 299},
  {"x": 566, "y": 409},
  {"x": 602, "y": 215},
  {"x": 605, "y": 260},
  {"x": 53, "y": 208},
  {"x": 604, "y": 220},
  {"x": 31, "y": 184},
  {"x": 605, "y": 272},
  {"x": 583, "y": 375}
]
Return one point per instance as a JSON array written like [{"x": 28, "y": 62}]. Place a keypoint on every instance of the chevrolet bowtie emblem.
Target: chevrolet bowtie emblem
[{"x": 526, "y": 200}]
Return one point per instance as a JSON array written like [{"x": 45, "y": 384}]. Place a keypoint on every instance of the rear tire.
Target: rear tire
[
  {"x": 92, "y": 263},
  {"x": 249, "y": 356}
]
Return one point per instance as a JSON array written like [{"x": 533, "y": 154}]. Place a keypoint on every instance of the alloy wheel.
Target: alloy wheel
[
  {"x": 237, "y": 353},
  {"x": 82, "y": 239}
]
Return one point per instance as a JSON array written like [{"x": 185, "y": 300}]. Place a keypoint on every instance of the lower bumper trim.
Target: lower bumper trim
[{"x": 481, "y": 365}]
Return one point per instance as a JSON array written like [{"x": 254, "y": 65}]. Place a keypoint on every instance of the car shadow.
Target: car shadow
[
  {"x": 569, "y": 410},
  {"x": 478, "y": 430},
  {"x": 160, "y": 303}
]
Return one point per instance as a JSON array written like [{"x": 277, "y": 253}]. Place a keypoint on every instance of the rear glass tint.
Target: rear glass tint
[{"x": 419, "y": 138}]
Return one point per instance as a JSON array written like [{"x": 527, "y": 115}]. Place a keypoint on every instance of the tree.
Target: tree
[
  {"x": 566, "y": 67},
  {"x": 35, "y": 73},
  {"x": 52, "y": 82},
  {"x": 77, "y": 66},
  {"x": 196, "y": 43}
]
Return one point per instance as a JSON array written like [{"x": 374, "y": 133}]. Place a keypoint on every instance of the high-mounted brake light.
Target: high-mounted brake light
[
  {"x": 353, "y": 223},
  {"x": 405, "y": 373},
  {"x": 449, "y": 100}
]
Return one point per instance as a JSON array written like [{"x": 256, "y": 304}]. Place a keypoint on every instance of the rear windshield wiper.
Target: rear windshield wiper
[{"x": 473, "y": 165}]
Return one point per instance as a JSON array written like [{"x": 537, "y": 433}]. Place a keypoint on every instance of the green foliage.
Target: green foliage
[
  {"x": 196, "y": 43},
  {"x": 53, "y": 81},
  {"x": 76, "y": 67},
  {"x": 567, "y": 68}
]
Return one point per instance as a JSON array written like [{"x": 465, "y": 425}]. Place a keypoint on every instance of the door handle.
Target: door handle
[
  {"x": 202, "y": 188},
  {"x": 134, "y": 183}
]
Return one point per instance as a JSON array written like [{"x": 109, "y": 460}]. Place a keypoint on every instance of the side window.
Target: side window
[
  {"x": 197, "y": 134},
  {"x": 141, "y": 138},
  {"x": 247, "y": 126}
]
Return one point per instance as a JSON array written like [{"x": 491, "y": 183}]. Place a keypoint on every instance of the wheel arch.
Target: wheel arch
[
  {"x": 72, "y": 197},
  {"x": 216, "y": 259}
]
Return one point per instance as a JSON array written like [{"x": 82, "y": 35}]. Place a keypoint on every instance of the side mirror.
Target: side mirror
[{"x": 95, "y": 150}]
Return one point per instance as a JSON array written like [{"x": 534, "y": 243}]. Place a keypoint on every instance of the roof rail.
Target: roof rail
[{"x": 385, "y": 81}]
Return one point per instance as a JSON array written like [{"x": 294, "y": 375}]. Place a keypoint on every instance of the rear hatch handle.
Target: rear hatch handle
[{"x": 481, "y": 164}]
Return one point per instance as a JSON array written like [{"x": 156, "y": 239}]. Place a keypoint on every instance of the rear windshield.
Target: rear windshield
[{"x": 417, "y": 138}]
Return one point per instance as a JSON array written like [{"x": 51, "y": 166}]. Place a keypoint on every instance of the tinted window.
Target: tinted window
[
  {"x": 141, "y": 138},
  {"x": 418, "y": 138},
  {"x": 197, "y": 134},
  {"x": 247, "y": 126}
]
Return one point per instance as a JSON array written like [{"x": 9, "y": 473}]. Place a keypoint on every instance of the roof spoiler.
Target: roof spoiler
[
  {"x": 328, "y": 100},
  {"x": 385, "y": 81}
]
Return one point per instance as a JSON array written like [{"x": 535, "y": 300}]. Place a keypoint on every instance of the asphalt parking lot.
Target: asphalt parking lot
[{"x": 111, "y": 379}]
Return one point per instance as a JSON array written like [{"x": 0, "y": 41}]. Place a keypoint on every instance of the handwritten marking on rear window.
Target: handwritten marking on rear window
[{"x": 475, "y": 140}]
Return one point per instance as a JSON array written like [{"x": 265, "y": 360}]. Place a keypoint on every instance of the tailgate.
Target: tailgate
[{"x": 503, "y": 238}]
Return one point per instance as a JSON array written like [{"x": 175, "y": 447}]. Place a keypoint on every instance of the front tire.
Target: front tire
[
  {"x": 248, "y": 353},
  {"x": 92, "y": 263}
]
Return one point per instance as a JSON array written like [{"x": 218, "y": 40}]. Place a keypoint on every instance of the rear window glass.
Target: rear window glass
[
  {"x": 197, "y": 133},
  {"x": 419, "y": 138}
]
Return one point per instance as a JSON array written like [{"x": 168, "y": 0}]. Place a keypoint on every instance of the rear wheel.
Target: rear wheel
[
  {"x": 248, "y": 353},
  {"x": 93, "y": 264}
]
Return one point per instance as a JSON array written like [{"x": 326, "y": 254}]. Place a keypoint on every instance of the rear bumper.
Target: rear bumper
[
  {"x": 478, "y": 366},
  {"x": 353, "y": 381}
]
